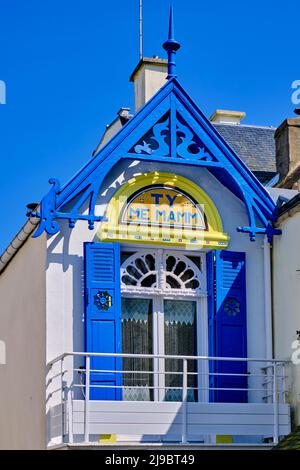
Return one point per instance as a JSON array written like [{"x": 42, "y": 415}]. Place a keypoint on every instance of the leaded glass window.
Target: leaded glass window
[
  {"x": 150, "y": 269},
  {"x": 137, "y": 339},
  {"x": 180, "y": 340}
]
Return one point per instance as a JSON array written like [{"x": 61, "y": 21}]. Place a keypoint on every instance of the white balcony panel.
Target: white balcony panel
[{"x": 158, "y": 418}]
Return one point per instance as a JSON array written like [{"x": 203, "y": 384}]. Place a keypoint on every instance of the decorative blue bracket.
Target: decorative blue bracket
[
  {"x": 48, "y": 210},
  {"x": 269, "y": 231}
]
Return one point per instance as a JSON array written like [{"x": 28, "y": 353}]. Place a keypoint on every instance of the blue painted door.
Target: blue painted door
[
  {"x": 103, "y": 317},
  {"x": 226, "y": 275}
]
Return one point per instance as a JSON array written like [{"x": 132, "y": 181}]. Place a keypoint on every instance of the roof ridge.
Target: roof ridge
[{"x": 243, "y": 125}]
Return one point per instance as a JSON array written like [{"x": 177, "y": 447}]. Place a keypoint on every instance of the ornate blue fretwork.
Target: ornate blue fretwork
[
  {"x": 232, "y": 306},
  {"x": 103, "y": 300},
  {"x": 186, "y": 144},
  {"x": 143, "y": 148},
  {"x": 156, "y": 141}
]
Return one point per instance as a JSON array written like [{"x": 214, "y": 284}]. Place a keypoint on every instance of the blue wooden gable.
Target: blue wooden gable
[{"x": 168, "y": 128}]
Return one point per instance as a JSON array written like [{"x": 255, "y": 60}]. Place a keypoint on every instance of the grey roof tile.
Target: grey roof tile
[{"x": 254, "y": 145}]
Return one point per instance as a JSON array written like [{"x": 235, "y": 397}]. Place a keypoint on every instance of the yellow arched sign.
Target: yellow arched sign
[{"x": 163, "y": 208}]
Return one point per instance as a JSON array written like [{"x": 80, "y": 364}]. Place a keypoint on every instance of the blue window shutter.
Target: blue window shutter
[
  {"x": 227, "y": 323},
  {"x": 210, "y": 270},
  {"x": 103, "y": 316}
]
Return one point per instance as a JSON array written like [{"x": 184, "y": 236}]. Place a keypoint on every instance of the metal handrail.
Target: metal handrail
[
  {"x": 167, "y": 356},
  {"x": 170, "y": 372},
  {"x": 271, "y": 379},
  {"x": 167, "y": 387}
]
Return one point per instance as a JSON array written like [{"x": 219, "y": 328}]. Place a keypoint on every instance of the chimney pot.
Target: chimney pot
[
  {"x": 148, "y": 77},
  {"x": 225, "y": 116},
  {"x": 287, "y": 140}
]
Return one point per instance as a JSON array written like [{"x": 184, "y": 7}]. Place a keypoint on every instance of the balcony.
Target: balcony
[{"x": 163, "y": 400}]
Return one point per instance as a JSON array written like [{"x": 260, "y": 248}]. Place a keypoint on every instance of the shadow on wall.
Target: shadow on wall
[{"x": 74, "y": 262}]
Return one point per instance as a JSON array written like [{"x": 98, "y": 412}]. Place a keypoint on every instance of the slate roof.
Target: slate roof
[{"x": 254, "y": 145}]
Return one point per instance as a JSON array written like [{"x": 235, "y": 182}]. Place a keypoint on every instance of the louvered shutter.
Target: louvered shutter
[
  {"x": 227, "y": 324},
  {"x": 103, "y": 316}
]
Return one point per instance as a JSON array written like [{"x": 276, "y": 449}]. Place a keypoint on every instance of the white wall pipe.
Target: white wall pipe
[{"x": 268, "y": 298}]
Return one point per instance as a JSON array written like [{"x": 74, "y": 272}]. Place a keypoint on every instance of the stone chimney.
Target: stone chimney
[
  {"x": 287, "y": 140},
  {"x": 148, "y": 77},
  {"x": 223, "y": 116}
]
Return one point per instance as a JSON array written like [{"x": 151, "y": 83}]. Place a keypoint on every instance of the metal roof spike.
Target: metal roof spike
[{"x": 171, "y": 46}]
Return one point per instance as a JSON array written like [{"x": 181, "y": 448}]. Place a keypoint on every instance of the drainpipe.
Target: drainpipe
[
  {"x": 18, "y": 241},
  {"x": 268, "y": 298}
]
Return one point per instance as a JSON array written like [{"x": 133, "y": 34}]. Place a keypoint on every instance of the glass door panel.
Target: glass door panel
[
  {"x": 180, "y": 334},
  {"x": 137, "y": 334}
]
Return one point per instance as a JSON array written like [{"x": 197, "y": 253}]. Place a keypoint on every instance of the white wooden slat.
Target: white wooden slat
[
  {"x": 103, "y": 418},
  {"x": 56, "y": 410},
  {"x": 236, "y": 408},
  {"x": 129, "y": 406},
  {"x": 214, "y": 418},
  {"x": 235, "y": 430},
  {"x": 150, "y": 407},
  {"x": 130, "y": 418},
  {"x": 129, "y": 429},
  {"x": 165, "y": 418},
  {"x": 164, "y": 429}
]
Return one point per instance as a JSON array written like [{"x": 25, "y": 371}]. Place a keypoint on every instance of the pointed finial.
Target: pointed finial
[{"x": 171, "y": 46}]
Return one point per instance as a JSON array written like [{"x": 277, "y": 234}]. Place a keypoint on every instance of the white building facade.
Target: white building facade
[{"x": 151, "y": 274}]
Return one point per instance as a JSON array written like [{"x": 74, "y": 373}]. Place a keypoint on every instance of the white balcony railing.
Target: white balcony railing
[{"x": 165, "y": 399}]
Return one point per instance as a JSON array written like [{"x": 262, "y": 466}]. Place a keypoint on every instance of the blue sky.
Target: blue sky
[{"x": 66, "y": 65}]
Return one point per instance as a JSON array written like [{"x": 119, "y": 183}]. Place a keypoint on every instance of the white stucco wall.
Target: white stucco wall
[
  {"x": 23, "y": 329},
  {"x": 286, "y": 288},
  {"x": 65, "y": 308}
]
